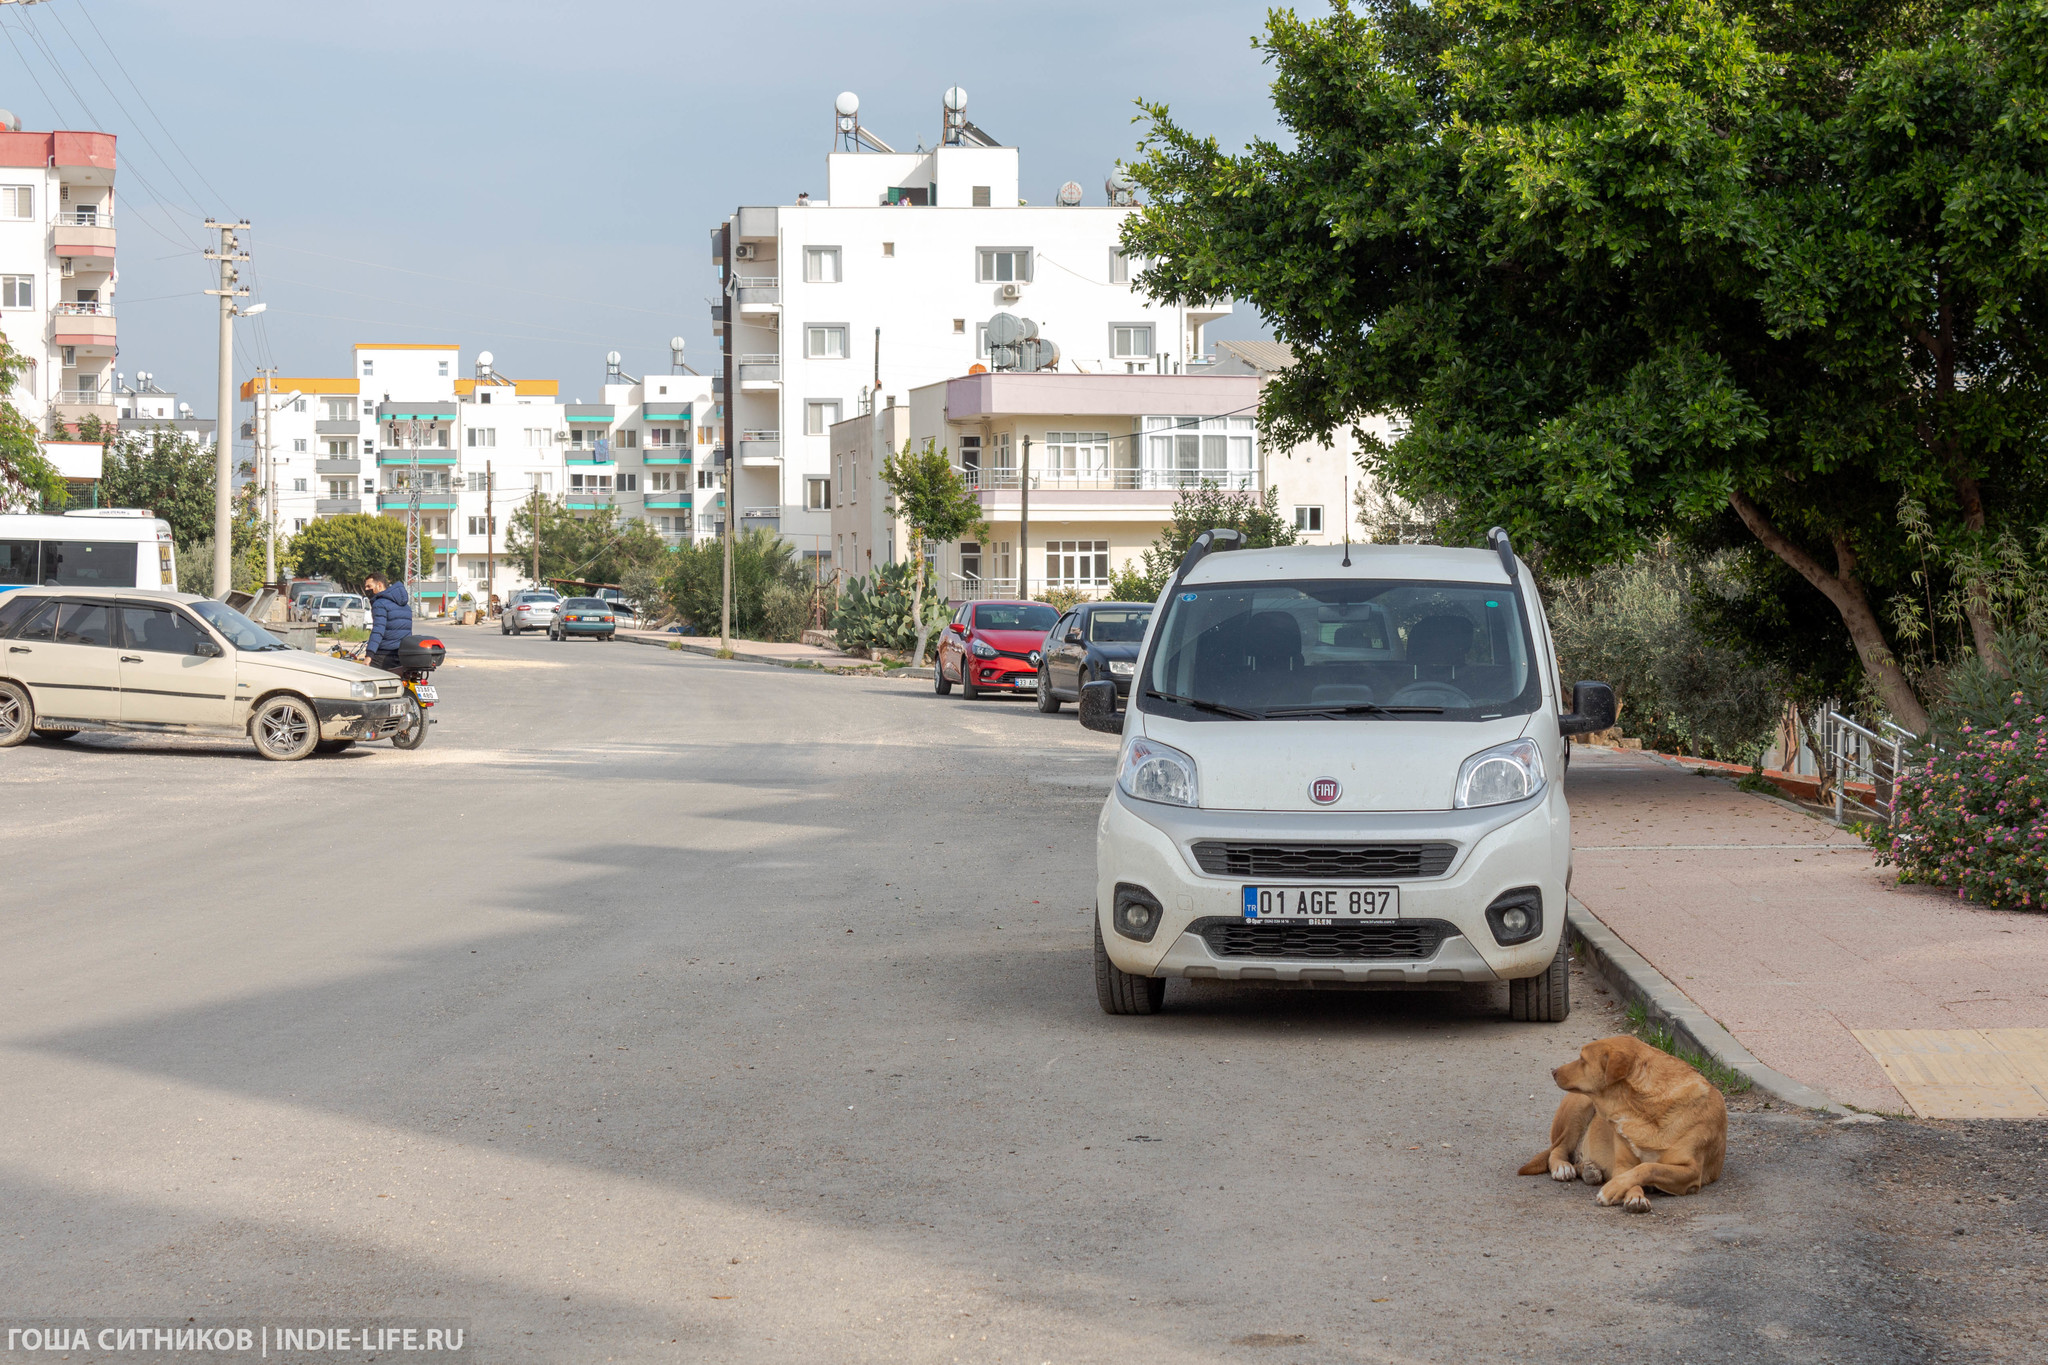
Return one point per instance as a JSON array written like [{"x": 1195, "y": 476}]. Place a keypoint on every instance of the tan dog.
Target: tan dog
[{"x": 1634, "y": 1117}]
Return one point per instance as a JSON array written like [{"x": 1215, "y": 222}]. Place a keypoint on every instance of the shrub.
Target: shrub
[
  {"x": 1975, "y": 816},
  {"x": 875, "y": 612},
  {"x": 1062, "y": 600},
  {"x": 696, "y": 580},
  {"x": 785, "y": 612}
]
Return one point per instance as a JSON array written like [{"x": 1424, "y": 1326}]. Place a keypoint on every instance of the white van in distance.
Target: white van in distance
[
  {"x": 1340, "y": 765},
  {"x": 110, "y": 547}
]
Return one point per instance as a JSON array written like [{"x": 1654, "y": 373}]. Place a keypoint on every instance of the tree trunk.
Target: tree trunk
[
  {"x": 917, "y": 603},
  {"x": 1976, "y": 597},
  {"x": 1845, "y": 590}
]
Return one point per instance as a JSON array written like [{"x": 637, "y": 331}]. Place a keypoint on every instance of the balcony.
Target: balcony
[
  {"x": 73, "y": 406},
  {"x": 759, "y": 295},
  {"x": 337, "y": 466},
  {"x": 759, "y": 448},
  {"x": 337, "y": 507},
  {"x": 82, "y": 324},
  {"x": 395, "y": 457},
  {"x": 1124, "y": 480},
  {"x": 760, "y": 372},
  {"x": 332, "y": 426},
  {"x": 445, "y": 545},
  {"x": 431, "y": 500},
  {"x": 666, "y": 455},
  {"x": 972, "y": 588},
  {"x": 83, "y": 232},
  {"x": 585, "y": 457},
  {"x": 668, "y": 502}
]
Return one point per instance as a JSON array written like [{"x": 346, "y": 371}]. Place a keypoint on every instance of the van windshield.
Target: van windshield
[{"x": 1366, "y": 648}]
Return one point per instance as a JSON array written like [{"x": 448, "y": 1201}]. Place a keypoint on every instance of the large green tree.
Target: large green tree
[
  {"x": 761, "y": 562},
  {"x": 933, "y": 497},
  {"x": 166, "y": 471},
  {"x": 348, "y": 548},
  {"x": 1720, "y": 268},
  {"x": 592, "y": 547},
  {"x": 27, "y": 478},
  {"x": 1205, "y": 507}
]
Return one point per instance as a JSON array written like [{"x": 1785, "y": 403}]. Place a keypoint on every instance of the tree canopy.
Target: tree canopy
[
  {"x": 166, "y": 471},
  {"x": 349, "y": 548},
  {"x": 27, "y": 478},
  {"x": 1741, "y": 272},
  {"x": 594, "y": 547},
  {"x": 1205, "y": 507},
  {"x": 933, "y": 497}
]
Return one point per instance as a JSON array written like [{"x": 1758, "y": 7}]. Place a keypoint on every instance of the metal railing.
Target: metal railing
[
  {"x": 757, "y": 281},
  {"x": 84, "y": 308},
  {"x": 970, "y": 588},
  {"x": 1134, "y": 480},
  {"x": 84, "y": 218},
  {"x": 760, "y": 358},
  {"x": 94, "y": 398},
  {"x": 760, "y": 434},
  {"x": 1857, "y": 756}
]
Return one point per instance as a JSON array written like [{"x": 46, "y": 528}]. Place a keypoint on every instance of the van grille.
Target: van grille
[
  {"x": 1408, "y": 938},
  {"x": 1222, "y": 859}
]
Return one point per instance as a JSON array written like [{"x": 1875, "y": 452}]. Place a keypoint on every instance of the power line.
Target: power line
[{"x": 452, "y": 279}]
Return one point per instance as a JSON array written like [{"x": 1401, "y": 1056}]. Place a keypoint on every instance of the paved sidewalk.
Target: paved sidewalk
[
  {"x": 1779, "y": 926},
  {"x": 753, "y": 651}
]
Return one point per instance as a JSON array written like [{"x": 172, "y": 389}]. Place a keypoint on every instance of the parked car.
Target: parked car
[
  {"x": 75, "y": 659},
  {"x": 530, "y": 609},
  {"x": 993, "y": 646},
  {"x": 1340, "y": 772},
  {"x": 337, "y": 609},
  {"x": 1095, "y": 642},
  {"x": 306, "y": 594},
  {"x": 592, "y": 616}
]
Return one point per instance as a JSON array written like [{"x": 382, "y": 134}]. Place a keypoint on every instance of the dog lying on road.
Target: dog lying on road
[{"x": 1637, "y": 1119}]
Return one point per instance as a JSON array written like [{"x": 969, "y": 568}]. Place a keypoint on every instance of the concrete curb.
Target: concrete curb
[
  {"x": 1632, "y": 975},
  {"x": 689, "y": 645}
]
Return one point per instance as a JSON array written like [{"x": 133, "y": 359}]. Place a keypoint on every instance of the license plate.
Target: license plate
[
  {"x": 1023, "y": 680},
  {"x": 426, "y": 694},
  {"x": 1322, "y": 904}
]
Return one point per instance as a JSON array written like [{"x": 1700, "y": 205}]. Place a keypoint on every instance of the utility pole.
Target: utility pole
[
  {"x": 536, "y": 530},
  {"x": 267, "y": 469},
  {"x": 490, "y": 538},
  {"x": 1024, "y": 525},
  {"x": 224, "y": 423},
  {"x": 412, "y": 511}
]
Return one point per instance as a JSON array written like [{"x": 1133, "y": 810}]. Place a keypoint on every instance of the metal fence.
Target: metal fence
[{"x": 1863, "y": 765}]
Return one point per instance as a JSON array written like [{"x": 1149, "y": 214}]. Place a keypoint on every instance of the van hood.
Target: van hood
[{"x": 1383, "y": 764}]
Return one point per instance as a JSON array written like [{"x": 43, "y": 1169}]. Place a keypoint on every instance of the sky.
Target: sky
[{"x": 540, "y": 180}]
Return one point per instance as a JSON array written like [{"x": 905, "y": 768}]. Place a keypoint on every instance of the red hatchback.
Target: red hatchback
[{"x": 993, "y": 646}]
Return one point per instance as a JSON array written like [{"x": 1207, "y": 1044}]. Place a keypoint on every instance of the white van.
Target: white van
[
  {"x": 105, "y": 548},
  {"x": 1340, "y": 766}
]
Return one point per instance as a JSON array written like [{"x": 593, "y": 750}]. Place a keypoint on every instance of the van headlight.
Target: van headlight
[
  {"x": 1152, "y": 771},
  {"x": 1504, "y": 773},
  {"x": 363, "y": 691}
]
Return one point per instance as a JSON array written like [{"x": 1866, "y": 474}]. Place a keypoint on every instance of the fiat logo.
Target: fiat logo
[{"x": 1324, "y": 790}]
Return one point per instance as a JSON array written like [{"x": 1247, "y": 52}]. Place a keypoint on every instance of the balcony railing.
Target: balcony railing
[
  {"x": 757, "y": 281},
  {"x": 1135, "y": 480},
  {"x": 84, "y": 218},
  {"x": 84, "y": 308},
  {"x": 90, "y": 398},
  {"x": 760, "y": 434},
  {"x": 970, "y": 588}
]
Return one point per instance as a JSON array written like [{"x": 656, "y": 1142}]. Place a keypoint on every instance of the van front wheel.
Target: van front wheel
[
  {"x": 1545, "y": 998},
  {"x": 1118, "y": 991}
]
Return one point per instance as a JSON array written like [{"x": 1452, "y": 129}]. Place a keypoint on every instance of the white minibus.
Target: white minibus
[{"x": 114, "y": 547}]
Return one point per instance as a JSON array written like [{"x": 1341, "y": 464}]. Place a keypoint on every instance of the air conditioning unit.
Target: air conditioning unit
[
  {"x": 1012, "y": 292},
  {"x": 743, "y": 253}
]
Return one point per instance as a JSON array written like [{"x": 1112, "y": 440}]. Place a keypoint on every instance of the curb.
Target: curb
[
  {"x": 1631, "y": 974},
  {"x": 711, "y": 652}
]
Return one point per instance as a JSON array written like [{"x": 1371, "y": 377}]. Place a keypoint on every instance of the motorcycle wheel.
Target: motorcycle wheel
[{"x": 415, "y": 732}]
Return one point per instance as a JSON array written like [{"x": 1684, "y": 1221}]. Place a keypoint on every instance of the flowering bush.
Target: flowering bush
[{"x": 1973, "y": 815}]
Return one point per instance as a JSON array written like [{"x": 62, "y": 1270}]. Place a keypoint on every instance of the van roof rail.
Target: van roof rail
[
  {"x": 1498, "y": 539},
  {"x": 1216, "y": 538}
]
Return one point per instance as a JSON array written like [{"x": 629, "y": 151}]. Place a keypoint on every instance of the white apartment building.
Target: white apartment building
[
  {"x": 142, "y": 405},
  {"x": 482, "y": 443},
  {"x": 57, "y": 274},
  {"x": 885, "y": 284}
]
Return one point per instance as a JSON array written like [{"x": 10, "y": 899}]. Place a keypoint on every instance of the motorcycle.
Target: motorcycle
[{"x": 418, "y": 657}]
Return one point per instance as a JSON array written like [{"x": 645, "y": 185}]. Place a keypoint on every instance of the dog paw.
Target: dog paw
[
  {"x": 1638, "y": 1201},
  {"x": 1563, "y": 1170},
  {"x": 1591, "y": 1173},
  {"x": 1612, "y": 1193}
]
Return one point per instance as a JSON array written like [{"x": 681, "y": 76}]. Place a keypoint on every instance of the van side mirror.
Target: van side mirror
[
  {"x": 1098, "y": 708},
  {"x": 207, "y": 649},
  {"x": 1592, "y": 709}
]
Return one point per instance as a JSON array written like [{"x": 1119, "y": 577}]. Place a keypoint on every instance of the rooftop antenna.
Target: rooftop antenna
[
  {"x": 846, "y": 122},
  {"x": 1498, "y": 539}
]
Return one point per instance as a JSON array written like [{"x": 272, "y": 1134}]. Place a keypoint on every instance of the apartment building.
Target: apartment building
[
  {"x": 886, "y": 283},
  {"x": 481, "y": 444},
  {"x": 143, "y": 405},
  {"x": 57, "y": 278}
]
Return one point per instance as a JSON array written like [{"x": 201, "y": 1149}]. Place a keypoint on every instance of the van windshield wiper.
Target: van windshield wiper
[
  {"x": 1355, "y": 708},
  {"x": 1218, "y": 707}
]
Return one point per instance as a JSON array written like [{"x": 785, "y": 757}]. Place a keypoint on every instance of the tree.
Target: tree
[
  {"x": 1205, "y": 507},
  {"x": 27, "y": 478},
  {"x": 760, "y": 561},
  {"x": 349, "y": 548},
  {"x": 169, "y": 473},
  {"x": 1742, "y": 272},
  {"x": 933, "y": 497},
  {"x": 597, "y": 547}
]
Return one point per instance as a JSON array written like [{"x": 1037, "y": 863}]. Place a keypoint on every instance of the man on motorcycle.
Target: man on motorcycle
[{"x": 390, "y": 620}]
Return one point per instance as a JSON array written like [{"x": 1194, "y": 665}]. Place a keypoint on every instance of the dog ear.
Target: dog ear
[{"x": 1617, "y": 1058}]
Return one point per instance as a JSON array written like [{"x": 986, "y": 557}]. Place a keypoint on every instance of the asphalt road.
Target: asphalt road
[{"x": 662, "y": 1009}]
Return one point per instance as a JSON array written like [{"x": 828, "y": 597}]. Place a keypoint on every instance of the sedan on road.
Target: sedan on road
[
  {"x": 992, "y": 646},
  {"x": 590, "y": 616},
  {"x": 533, "y": 609},
  {"x": 1095, "y": 642}
]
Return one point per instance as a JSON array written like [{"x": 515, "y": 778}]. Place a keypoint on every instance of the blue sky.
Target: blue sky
[{"x": 539, "y": 180}]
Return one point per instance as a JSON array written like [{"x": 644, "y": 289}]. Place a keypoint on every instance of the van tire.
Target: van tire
[
  {"x": 284, "y": 728},
  {"x": 17, "y": 715},
  {"x": 1547, "y": 997},
  {"x": 1120, "y": 992}
]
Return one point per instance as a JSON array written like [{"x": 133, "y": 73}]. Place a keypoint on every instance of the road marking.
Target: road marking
[{"x": 1991, "y": 1073}]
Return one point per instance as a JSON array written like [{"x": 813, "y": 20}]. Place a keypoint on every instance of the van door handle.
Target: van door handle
[{"x": 131, "y": 658}]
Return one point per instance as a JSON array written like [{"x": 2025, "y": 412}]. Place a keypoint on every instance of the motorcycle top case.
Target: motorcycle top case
[{"x": 420, "y": 652}]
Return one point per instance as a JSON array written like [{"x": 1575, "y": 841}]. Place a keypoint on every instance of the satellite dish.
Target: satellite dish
[
  {"x": 1070, "y": 193},
  {"x": 611, "y": 357},
  {"x": 847, "y": 105},
  {"x": 484, "y": 358},
  {"x": 956, "y": 100}
]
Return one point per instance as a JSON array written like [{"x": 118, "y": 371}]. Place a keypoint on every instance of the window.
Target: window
[
  {"x": 660, "y": 481},
  {"x": 1076, "y": 454},
  {"x": 821, "y": 265},
  {"x": 1180, "y": 451},
  {"x": 629, "y": 438},
  {"x": 298, "y": 445},
  {"x": 1119, "y": 267},
  {"x": 340, "y": 409},
  {"x": 1005, "y": 263},
  {"x": 17, "y": 201},
  {"x": 444, "y": 369},
  {"x": 959, "y": 327},
  {"x": 86, "y": 623},
  {"x": 537, "y": 436},
  {"x": 825, "y": 342},
  {"x": 888, "y": 248},
  {"x": 483, "y": 395},
  {"x": 629, "y": 483},
  {"x": 544, "y": 481},
  {"x": 1077, "y": 563},
  {"x": 369, "y": 367},
  {"x": 707, "y": 478},
  {"x": 298, "y": 485},
  {"x": 819, "y": 415},
  {"x": 341, "y": 488},
  {"x": 298, "y": 523},
  {"x": 483, "y": 437},
  {"x": 88, "y": 564},
  {"x": 659, "y": 437},
  {"x": 160, "y": 630},
  {"x": 17, "y": 291},
  {"x": 981, "y": 196},
  {"x": 298, "y": 405},
  {"x": 970, "y": 560},
  {"x": 339, "y": 448},
  {"x": 818, "y": 495},
  {"x": 483, "y": 526},
  {"x": 369, "y": 485},
  {"x": 1308, "y": 519},
  {"x": 1132, "y": 340}
]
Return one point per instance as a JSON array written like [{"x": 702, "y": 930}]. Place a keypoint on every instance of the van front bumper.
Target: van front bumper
[{"x": 1499, "y": 848}]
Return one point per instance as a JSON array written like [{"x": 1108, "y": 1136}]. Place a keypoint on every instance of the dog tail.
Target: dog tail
[{"x": 1538, "y": 1164}]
